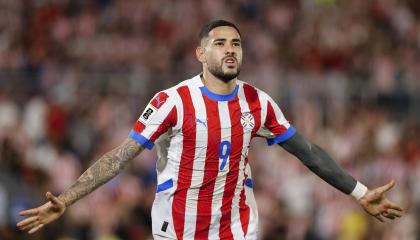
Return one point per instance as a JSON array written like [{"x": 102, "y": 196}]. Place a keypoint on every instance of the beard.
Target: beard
[{"x": 226, "y": 77}]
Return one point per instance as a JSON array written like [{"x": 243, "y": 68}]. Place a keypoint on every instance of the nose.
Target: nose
[{"x": 229, "y": 50}]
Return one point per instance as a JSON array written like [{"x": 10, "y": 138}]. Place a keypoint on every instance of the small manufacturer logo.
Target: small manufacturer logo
[
  {"x": 247, "y": 121},
  {"x": 197, "y": 120}
]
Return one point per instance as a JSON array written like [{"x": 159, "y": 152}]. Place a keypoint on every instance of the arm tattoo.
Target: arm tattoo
[{"x": 103, "y": 170}]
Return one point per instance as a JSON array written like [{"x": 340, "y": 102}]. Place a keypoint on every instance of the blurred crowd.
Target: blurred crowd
[{"x": 76, "y": 74}]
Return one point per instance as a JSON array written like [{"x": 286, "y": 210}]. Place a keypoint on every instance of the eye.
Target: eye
[
  {"x": 219, "y": 44},
  {"x": 237, "y": 44}
]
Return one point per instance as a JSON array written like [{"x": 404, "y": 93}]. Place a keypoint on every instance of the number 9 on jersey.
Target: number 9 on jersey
[{"x": 224, "y": 152}]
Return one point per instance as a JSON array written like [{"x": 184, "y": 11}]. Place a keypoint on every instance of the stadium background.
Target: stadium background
[{"x": 75, "y": 75}]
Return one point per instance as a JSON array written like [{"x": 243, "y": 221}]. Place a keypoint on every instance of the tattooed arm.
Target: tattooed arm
[{"x": 103, "y": 170}]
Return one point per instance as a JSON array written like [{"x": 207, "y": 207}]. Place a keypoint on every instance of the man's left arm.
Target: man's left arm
[{"x": 318, "y": 161}]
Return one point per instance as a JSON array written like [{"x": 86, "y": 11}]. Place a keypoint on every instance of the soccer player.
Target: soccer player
[{"x": 202, "y": 129}]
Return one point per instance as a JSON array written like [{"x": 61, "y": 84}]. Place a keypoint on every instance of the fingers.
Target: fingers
[
  {"x": 388, "y": 213},
  {"x": 386, "y": 187},
  {"x": 52, "y": 198},
  {"x": 36, "y": 228},
  {"x": 27, "y": 221},
  {"x": 388, "y": 216},
  {"x": 380, "y": 218},
  {"x": 392, "y": 213},
  {"x": 31, "y": 223},
  {"x": 29, "y": 212},
  {"x": 29, "y": 226},
  {"x": 38, "y": 217},
  {"x": 394, "y": 206},
  {"x": 378, "y": 193}
]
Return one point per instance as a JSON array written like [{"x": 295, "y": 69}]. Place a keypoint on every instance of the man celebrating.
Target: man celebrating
[{"x": 202, "y": 129}]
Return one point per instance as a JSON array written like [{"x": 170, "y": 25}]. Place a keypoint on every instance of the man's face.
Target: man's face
[{"x": 222, "y": 53}]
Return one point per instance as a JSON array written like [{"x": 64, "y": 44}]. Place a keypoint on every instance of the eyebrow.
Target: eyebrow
[{"x": 224, "y": 39}]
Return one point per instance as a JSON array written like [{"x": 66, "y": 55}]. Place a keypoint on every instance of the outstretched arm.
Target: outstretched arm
[
  {"x": 319, "y": 162},
  {"x": 103, "y": 170}
]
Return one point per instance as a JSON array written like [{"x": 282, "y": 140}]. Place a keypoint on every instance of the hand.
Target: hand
[
  {"x": 376, "y": 204},
  {"x": 36, "y": 218}
]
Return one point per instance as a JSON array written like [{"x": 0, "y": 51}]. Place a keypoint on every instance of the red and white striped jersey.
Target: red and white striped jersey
[{"x": 204, "y": 186}]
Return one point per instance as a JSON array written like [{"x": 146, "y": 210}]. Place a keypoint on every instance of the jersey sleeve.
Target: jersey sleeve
[
  {"x": 275, "y": 127},
  {"x": 157, "y": 118}
]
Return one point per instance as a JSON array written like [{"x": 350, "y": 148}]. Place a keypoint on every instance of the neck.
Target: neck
[{"x": 216, "y": 85}]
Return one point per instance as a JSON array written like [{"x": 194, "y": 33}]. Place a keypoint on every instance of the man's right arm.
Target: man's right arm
[{"x": 103, "y": 170}]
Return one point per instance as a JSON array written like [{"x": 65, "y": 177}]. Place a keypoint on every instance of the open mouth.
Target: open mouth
[{"x": 230, "y": 61}]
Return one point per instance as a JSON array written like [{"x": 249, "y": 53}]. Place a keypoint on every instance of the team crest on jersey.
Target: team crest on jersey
[{"x": 247, "y": 121}]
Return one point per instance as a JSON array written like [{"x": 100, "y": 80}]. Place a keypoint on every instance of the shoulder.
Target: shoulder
[
  {"x": 251, "y": 92},
  {"x": 185, "y": 83},
  {"x": 172, "y": 94}
]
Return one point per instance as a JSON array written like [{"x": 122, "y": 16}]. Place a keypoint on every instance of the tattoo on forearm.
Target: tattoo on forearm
[{"x": 103, "y": 170}]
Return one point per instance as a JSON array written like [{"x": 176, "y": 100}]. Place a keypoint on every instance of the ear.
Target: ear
[{"x": 199, "y": 53}]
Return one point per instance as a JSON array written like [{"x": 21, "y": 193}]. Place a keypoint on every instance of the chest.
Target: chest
[{"x": 216, "y": 122}]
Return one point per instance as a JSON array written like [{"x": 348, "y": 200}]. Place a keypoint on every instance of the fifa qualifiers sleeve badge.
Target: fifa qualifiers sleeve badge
[
  {"x": 147, "y": 114},
  {"x": 157, "y": 102}
]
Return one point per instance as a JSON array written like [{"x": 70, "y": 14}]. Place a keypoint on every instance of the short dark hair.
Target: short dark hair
[{"x": 214, "y": 24}]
